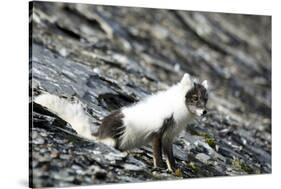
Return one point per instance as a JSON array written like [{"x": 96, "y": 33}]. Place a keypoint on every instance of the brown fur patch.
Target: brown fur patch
[
  {"x": 112, "y": 126},
  {"x": 197, "y": 96}
]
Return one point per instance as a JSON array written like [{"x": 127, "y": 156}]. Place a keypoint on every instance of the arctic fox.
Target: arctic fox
[{"x": 158, "y": 118}]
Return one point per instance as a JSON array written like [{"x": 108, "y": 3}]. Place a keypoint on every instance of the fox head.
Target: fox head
[{"x": 196, "y": 97}]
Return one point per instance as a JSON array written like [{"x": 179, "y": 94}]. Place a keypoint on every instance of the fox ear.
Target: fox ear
[
  {"x": 186, "y": 79},
  {"x": 205, "y": 84}
]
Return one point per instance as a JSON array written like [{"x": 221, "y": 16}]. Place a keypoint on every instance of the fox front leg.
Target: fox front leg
[
  {"x": 170, "y": 160},
  {"x": 168, "y": 151},
  {"x": 157, "y": 151},
  {"x": 158, "y": 139}
]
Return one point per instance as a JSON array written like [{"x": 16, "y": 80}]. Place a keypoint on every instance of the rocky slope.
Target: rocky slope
[{"x": 108, "y": 57}]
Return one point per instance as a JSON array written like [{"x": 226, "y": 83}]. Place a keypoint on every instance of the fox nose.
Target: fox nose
[{"x": 204, "y": 112}]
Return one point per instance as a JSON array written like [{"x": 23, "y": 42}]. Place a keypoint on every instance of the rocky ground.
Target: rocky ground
[{"x": 108, "y": 57}]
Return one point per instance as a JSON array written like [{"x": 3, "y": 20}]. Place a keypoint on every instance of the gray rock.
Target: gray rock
[
  {"x": 203, "y": 158},
  {"x": 106, "y": 58}
]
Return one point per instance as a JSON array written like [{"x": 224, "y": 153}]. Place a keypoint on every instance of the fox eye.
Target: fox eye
[{"x": 195, "y": 98}]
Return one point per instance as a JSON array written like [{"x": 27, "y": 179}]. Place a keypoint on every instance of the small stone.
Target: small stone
[
  {"x": 38, "y": 140},
  {"x": 63, "y": 52},
  {"x": 43, "y": 134},
  {"x": 63, "y": 176},
  {"x": 64, "y": 156},
  {"x": 54, "y": 154},
  {"x": 132, "y": 167},
  {"x": 203, "y": 157},
  {"x": 97, "y": 70}
]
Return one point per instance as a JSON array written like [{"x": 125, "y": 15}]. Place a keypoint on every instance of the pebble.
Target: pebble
[
  {"x": 38, "y": 140},
  {"x": 203, "y": 158}
]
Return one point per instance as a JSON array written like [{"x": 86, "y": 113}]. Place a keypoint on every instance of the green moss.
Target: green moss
[
  {"x": 178, "y": 173},
  {"x": 194, "y": 132},
  {"x": 211, "y": 142},
  {"x": 239, "y": 165},
  {"x": 208, "y": 139},
  {"x": 246, "y": 168},
  {"x": 236, "y": 164},
  {"x": 193, "y": 167}
]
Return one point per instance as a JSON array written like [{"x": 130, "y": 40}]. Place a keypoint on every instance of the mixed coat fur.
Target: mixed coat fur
[{"x": 157, "y": 119}]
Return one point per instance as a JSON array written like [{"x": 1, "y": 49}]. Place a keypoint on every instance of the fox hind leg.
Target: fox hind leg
[{"x": 167, "y": 143}]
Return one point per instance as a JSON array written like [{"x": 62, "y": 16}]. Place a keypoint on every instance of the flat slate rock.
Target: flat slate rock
[{"x": 107, "y": 58}]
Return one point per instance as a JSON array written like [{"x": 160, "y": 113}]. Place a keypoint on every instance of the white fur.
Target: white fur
[
  {"x": 108, "y": 141},
  {"x": 199, "y": 111},
  {"x": 169, "y": 165},
  {"x": 71, "y": 112},
  {"x": 205, "y": 84},
  {"x": 147, "y": 116},
  {"x": 140, "y": 120}
]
